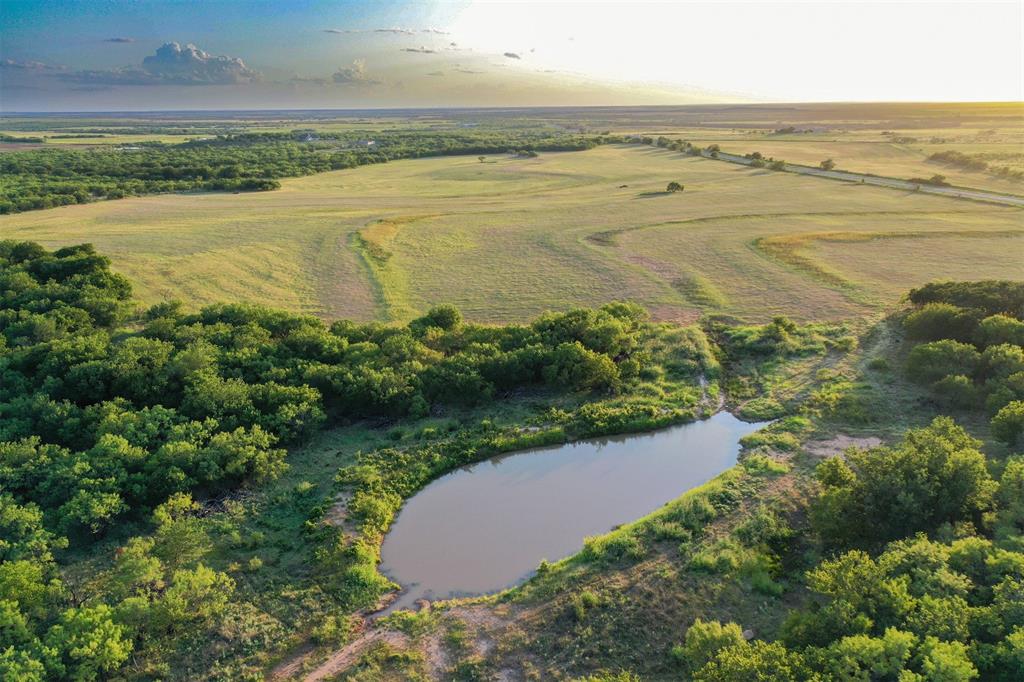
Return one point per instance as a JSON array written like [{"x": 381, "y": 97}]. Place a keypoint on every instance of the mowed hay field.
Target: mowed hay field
[{"x": 509, "y": 238}]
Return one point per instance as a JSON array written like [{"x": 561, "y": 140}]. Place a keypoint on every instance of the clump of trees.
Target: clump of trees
[
  {"x": 827, "y": 164},
  {"x": 936, "y": 475},
  {"x": 111, "y": 417},
  {"x": 941, "y": 600},
  {"x": 959, "y": 159},
  {"x": 970, "y": 348},
  {"x": 100, "y": 421},
  {"x": 674, "y": 187},
  {"x": 43, "y": 178},
  {"x": 934, "y": 181}
]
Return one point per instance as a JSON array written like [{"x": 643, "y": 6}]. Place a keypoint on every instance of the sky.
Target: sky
[{"x": 107, "y": 55}]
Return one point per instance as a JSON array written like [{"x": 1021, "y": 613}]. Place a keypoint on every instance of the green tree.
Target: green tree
[
  {"x": 930, "y": 362},
  {"x": 86, "y": 644},
  {"x": 935, "y": 475},
  {"x": 704, "y": 639},
  {"x": 194, "y": 596},
  {"x": 761, "y": 661},
  {"x": 1008, "y": 424},
  {"x": 938, "y": 320}
]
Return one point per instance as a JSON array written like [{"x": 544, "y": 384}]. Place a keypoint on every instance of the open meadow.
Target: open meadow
[{"x": 507, "y": 238}]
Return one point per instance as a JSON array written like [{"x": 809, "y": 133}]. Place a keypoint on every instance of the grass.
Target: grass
[
  {"x": 881, "y": 156},
  {"x": 507, "y": 240}
]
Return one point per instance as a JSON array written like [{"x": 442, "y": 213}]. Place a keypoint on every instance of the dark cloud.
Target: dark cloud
[
  {"x": 512, "y": 55},
  {"x": 335, "y": 30},
  {"x": 173, "y": 64},
  {"x": 119, "y": 40},
  {"x": 354, "y": 75},
  {"x": 420, "y": 50}
]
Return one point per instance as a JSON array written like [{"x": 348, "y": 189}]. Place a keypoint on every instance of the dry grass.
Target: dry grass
[{"x": 508, "y": 239}]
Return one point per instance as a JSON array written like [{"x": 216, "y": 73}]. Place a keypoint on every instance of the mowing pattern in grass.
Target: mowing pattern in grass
[{"x": 509, "y": 239}]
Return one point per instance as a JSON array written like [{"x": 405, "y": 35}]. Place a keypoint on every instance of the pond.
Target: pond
[{"x": 487, "y": 526}]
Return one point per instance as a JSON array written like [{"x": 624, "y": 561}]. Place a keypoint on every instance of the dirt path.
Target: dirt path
[{"x": 341, "y": 659}]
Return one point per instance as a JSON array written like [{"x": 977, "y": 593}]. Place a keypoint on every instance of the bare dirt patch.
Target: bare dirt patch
[{"x": 840, "y": 444}]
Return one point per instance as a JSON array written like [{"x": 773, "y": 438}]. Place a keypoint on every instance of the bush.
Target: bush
[
  {"x": 934, "y": 321},
  {"x": 761, "y": 409},
  {"x": 935, "y": 475},
  {"x": 929, "y": 362},
  {"x": 704, "y": 640},
  {"x": 1008, "y": 424},
  {"x": 956, "y": 391}
]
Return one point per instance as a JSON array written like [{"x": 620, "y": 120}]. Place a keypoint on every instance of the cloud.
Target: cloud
[
  {"x": 436, "y": 73},
  {"x": 512, "y": 55},
  {"x": 395, "y": 30},
  {"x": 120, "y": 39},
  {"x": 354, "y": 75},
  {"x": 421, "y": 50},
  {"x": 297, "y": 79},
  {"x": 469, "y": 71},
  {"x": 173, "y": 64},
  {"x": 30, "y": 65}
]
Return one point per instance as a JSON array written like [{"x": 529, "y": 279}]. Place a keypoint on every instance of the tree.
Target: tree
[
  {"x": 674, "y": 187},
  {"x": 827, "y": 164},
  {"x": 86, "y": 643},
  {"x": 180, "y": 537},
  {"x": 194, "y": 596},
  {"x": 754, "y": 661},
  {"x": 22, "y": 535},
  {"x": 482, "y": 158},
  {"x": 935, "y": 475},
  {"x": 1008, "y": 424},
  {"x": 930, "y": 362},
  {"x": 997, "y": 329},
  {"x": 935, "y": 321}
]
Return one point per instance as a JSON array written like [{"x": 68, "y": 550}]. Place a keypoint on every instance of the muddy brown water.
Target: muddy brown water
[{"x": 486, "y": 527}]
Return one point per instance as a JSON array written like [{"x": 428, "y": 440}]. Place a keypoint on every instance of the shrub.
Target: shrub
[
  {"x": 1008, "y": 424},
  {"x": 997, "y": 329},
  {"x": 956, "y": 391},
  {"x": 934, "y": 321},
  {"x": 935, "y": 475},
  {"x": 930, "y": 362},
  {"x": 761, "y": 409},
  {"x": 704, "y": 639}
]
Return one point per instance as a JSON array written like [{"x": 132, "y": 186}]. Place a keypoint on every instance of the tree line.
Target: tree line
[{"x": 44, "y": 178}]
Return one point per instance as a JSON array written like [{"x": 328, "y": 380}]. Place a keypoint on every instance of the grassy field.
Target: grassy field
[
  {"x": 508, "y": 238},
  {"x": 868, "y": 153}
]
